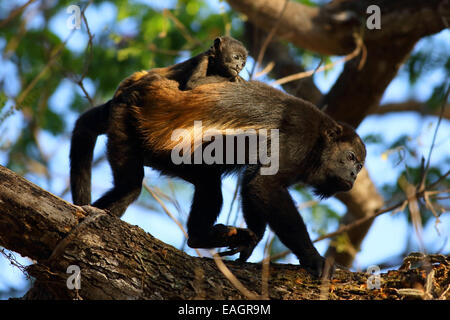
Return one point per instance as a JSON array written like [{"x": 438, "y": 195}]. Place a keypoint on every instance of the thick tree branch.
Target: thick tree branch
[
  {"x": 329, "y": 29},
  {"x": 31, "y": 222},
  {"x": 120, "y": 261}
]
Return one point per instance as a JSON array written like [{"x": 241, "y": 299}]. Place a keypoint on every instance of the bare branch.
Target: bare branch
[
  {"x": 268, "y": 39},
  {"x": 328, "y": 29},
  {"x": 410, "y": 106},
  {"x": 234, "y": 281},
  {"x": 427, "y": 165},
  {"x": 167, "y": 211},
  {"x": 184, "y": 31},
  {"x": 305, "y": 74},
  {"x": 14, "y": 13}
]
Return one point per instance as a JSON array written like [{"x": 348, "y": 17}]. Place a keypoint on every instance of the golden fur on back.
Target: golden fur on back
[{"x": 166, "y": 108}]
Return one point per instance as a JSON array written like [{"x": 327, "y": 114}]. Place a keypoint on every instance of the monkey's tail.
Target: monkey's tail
[{"x": 88, "y": 127}]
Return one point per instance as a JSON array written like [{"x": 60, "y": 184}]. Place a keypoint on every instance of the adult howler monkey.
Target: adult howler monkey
[{"x": 313, "y": 149}]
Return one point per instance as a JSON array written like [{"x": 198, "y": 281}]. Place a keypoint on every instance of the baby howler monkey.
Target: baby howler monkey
[{"x": 222, "y": 62}]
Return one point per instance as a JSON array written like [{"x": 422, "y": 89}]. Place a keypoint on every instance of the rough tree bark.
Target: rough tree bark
[
  {"x": 330, "y": 30},
  {"x": 121, "y": 261}
]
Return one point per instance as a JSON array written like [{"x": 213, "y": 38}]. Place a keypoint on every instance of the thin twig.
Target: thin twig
[
  {"x": 377, "y": 213},
  {"x": 266, "y": 70},
  {"x": 81, "y": 85},
  {"x": 153, "y": 48},
  {"x": 444, "y": 294},
  {"x": 267, "y": 40},
  {"x": 325, "y": 282},
  {"x": 265, "y": 268},
  {"x": 89, "y": 46},
  {"x": 232, "y": 278},
  {"x": 358, "y": 222},
  {"x": 434, "y": 184},
  {"x": 441, "y": 114},
  {"x": 167, "y": 211},
  {"x": 12, "y": 259},
  {"x": 305, "y": 74},
  {"x": 184, "y": 31},
  {"x": 87, "y": 62},
  {"x": 14, "y": 13}
]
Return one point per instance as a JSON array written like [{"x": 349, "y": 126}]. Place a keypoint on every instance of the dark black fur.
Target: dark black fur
[{"x": 314, "y": 149}]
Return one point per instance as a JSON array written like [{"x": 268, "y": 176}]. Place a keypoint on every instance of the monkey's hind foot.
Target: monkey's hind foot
[
  {"x": 319, "y": 267},
  {"x": 91, "y": 210},
  {"x": 236, "y": 239}
]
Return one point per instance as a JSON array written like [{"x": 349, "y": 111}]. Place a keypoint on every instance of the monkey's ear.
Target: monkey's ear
[
  {"x": 332, "y": 134},
  {"x": 217, "y": 42}
]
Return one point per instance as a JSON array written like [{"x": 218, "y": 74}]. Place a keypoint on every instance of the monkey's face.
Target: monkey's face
[
  {"x": 341, "y": 163},
  {"x": 233, "y": 61},
  {"x": 230, "y": 56}
]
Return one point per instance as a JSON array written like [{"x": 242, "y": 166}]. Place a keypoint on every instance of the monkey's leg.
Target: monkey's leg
[
  {"x": 253, "y": 215},
  {"x": 128, "y": 172},
  {"x": 205, "y": 208},
  {"x": 198, "y": 73},
  {"x": 266, "y": 199}
]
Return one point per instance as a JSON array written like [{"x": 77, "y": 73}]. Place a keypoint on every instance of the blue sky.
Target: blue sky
[{"x": 387, "y": 236}]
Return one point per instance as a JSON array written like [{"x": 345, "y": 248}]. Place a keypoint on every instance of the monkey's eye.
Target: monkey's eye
[
  {"x": 236, "y": 57},
  {"x": 359, "y": 167},
  {"x": 351, "y": 156}
]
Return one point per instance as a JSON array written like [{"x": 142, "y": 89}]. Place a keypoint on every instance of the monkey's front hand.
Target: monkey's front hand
[{"x": 238, "y": 79}]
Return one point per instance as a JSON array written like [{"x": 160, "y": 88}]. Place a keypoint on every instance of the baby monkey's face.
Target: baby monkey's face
[
  {"x": 229, "y": 56},
  {"x": 233, "y": 59}
]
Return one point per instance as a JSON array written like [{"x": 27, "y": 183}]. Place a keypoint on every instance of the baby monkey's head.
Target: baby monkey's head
[{"x": 229, "y": 56}]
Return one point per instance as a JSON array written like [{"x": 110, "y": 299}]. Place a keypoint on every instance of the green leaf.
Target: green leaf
[
  {"x": 3, "y": 100},
  {"x": 52, "y": 122}
]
